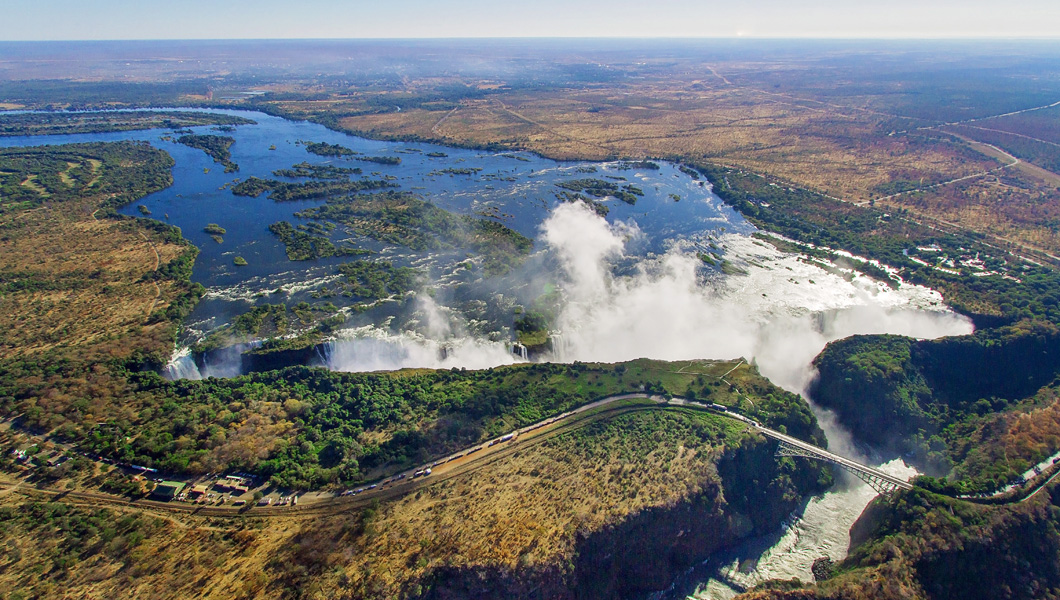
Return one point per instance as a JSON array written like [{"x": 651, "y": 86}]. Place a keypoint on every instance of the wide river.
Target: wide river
[{"x": 632, "y": 284}]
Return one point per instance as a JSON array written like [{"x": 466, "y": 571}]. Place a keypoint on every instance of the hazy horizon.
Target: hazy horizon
[{"x": 127, "y": 20}]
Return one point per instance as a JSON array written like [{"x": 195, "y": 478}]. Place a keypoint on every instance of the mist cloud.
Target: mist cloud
[{"x": 780, "y": 314}]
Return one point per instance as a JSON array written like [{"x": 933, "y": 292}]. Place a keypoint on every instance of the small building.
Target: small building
[
  {"x": 197, "y": 491},
  {"x": 167, "y": 490},
  {"x": 235, "y": 490}
]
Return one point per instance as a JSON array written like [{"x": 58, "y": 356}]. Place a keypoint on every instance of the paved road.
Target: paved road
[
  {"x": 825, "y": 454},
  {"x": 472, "y": 459}
]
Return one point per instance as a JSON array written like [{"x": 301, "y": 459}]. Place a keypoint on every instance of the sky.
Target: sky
[{"x": 29, "y": 20}]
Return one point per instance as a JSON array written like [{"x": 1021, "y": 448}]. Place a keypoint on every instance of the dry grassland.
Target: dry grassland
[
  {"x": 97, "y": 266},
  {"x": 523, "y": 513}
]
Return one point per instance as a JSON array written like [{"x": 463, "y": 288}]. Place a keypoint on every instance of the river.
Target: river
[{"x": 675, "y": 276}]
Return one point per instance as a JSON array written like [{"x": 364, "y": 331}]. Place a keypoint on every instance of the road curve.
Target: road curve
[{"x": 467, "y": 461}]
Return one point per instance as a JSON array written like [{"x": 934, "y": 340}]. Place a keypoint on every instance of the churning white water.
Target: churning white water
[
  {"x": 778, "y": 310},
  {"x": 224, "y": 362},
  {"x": 377, "y": 350},
  {"x": 821, "y": 530}
]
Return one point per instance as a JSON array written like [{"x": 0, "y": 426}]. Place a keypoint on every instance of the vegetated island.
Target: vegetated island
[
  {"x": 310, "y": 171},
  {"x": 305, "y": 243},
  {"x": 215, "y": 146},
  {"x": 68, "y": 123},
  {"x": 599, "y": 188},
  {"x": 286, "y": 191},
  {"x": 406, "y": 219}
]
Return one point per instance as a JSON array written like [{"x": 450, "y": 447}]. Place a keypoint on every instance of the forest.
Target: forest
[
  {"x": 304, "y": 169},
  {"x": 303, "y": 428}
]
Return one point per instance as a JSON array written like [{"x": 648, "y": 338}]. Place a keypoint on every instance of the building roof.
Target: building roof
[{"x": 168, "y": 489}]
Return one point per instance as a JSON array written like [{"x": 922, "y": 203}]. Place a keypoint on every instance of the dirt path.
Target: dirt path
[
  {"x": 434, "y": 130},
  {"x": 548, "y": 129},
  {"x": 158, "y": 261}
]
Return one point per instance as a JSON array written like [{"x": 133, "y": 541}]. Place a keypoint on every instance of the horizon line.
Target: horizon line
[{"x": 945, "y": 38}]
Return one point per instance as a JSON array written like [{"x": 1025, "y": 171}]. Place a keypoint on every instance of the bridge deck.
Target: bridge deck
[
  {"x": 837, "y": 459},
  {"x": 821, "y": 453}
]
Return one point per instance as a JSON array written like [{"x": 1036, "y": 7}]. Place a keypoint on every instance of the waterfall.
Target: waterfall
[
  {"x": 559, "y": 346},
  {"x": 376, "y": 350},
  {"x": 324, "y": 352},
  {"x": 223, "y": 362},
  {"x": 181, "y": 366},
  {"x": 520, "y": 350}
]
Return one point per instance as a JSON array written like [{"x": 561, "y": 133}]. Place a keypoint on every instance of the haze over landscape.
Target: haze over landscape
[
  {"x": 270, "y": 19},
  {"x": 573, "y": 300}
]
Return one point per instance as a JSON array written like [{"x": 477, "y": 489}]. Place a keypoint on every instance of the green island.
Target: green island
[
  {"x": 457, "y": 171},
  {"x": 302, "y": 245},
  {"x": 215, "y": 146},
  {"x": 304, "y": 169},
  {"x": 602, "y": 189},
  {"x": 67, "y": 123},
  {"x": 282, "y": 191},
  {"x": 406, "y": 219},
  {"x": 379, "y": 160},
  {"x": 598, "y": 207},
  {"x": 376, "y": 280},
  {"x": 326, "y": 149}
]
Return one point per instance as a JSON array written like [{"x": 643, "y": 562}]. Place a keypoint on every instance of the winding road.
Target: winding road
[{"x": 463, "y": 462}]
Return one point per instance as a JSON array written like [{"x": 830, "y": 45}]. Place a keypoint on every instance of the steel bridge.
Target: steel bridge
[{"x": 878, "y": 480}]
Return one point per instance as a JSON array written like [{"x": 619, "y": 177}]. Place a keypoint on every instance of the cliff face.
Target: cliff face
[
  {"x": 647, "y": 550},
  {"x": 889, "y": 390},
  {"x": 958, "y": 550}
]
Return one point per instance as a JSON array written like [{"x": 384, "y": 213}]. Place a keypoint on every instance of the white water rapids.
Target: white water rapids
[
  {"x": 821, "y": 530},
  {"x": 778, "y": 310}
]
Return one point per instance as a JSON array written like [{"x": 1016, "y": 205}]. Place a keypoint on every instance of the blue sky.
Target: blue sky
[{"x": 222, "y": 19}]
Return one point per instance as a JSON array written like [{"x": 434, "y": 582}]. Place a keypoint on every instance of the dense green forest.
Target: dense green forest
[
  {"x": 305, "y": 427},
  {"x": 929, "y": 398}
]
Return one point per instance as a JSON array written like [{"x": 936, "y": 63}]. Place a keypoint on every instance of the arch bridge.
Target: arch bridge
[{"x": 877, "y": 479}]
